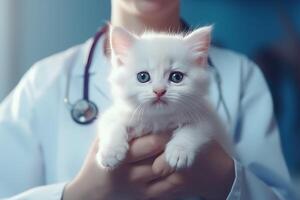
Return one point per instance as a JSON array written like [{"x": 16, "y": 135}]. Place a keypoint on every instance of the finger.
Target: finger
[
  {"x": 142, "y": 174},
  {"x": 146, "y": 161},
  {"x": 90, "y": 159},
  {"x": 158, "y": 189},
  {"x": 147, "y": 146},
  {"x": 160, "y": 166},
  {"x": 93, "y": 149},
  {"x": 94, "y": 146}
]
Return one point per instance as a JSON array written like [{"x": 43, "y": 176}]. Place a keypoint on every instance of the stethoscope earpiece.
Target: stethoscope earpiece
[{"x": 84, "y": 111}]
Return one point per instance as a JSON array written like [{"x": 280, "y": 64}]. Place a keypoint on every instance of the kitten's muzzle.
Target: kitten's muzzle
[{"x": 160, "y": 92}]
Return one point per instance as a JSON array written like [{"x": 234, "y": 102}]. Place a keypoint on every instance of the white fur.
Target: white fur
[{"x": 188, "y": 113}]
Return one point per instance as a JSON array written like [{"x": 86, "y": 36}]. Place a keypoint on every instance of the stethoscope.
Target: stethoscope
[{"x": 84, "y": 111}]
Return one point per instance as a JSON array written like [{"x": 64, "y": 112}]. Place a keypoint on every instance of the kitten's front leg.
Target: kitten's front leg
[
  {"x": 185, "y": 145},
  {"x": 113, "y": 143}
]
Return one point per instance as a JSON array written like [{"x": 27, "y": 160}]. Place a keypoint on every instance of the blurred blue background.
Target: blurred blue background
[{"x": 266, "y": 31}]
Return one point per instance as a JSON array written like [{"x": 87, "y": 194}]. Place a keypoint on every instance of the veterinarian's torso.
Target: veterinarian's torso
[{"x": 64, "y": 143}]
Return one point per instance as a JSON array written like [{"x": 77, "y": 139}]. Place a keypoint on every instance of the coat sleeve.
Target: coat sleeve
[
  {"x": 260, "y": 169},
  {"x": 21, "y": 158}
]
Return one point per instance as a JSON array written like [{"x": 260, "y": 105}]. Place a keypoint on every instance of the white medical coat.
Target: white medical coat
[{"x": 42, "y": 148}]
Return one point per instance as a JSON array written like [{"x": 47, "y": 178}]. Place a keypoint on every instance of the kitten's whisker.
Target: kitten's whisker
[
  {"x": 183, "y": 104},
  {"x": 139, "y": 114},
  {"x": 134, "y": 112},
  {"x": 142, "y": 114},
  {"x": 188, "y": 111},
  {"x": 188, "y": 99}
]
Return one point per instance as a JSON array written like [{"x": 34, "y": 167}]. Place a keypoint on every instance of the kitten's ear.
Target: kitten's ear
[
  {"x": 120, "y": 42},
  {"x": 199, "y": 43}
]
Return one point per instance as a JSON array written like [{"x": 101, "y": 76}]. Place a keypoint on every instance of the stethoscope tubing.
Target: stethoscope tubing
[{"x": 88, "y": 64}]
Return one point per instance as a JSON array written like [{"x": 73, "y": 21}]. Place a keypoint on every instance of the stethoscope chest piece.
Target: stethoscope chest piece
[{"x": 84, "y": 111}]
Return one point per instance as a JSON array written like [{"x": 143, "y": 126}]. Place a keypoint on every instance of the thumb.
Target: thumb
[{"x": 160, "y": 166}]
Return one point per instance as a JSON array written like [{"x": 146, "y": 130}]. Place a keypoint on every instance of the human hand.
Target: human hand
[
  {"x": 211, "y": 176},
  {"x": 128, "y": 181}
]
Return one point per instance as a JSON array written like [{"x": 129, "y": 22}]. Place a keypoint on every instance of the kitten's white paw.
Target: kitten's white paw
[
  {"x": 110, "y": 157},
  {"x": 179, "y": 157}
]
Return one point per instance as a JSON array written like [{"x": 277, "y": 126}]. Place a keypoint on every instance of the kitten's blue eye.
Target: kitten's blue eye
[
  {"x": 143, "y": 77},
  {"x": 176, "y": 77}
]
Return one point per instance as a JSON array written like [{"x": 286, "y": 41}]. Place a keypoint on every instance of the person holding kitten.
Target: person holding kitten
[{"x": 159, "y": 135}]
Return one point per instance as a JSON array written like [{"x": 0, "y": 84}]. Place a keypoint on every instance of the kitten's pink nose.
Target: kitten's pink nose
[{"x": 160, "y": 92}]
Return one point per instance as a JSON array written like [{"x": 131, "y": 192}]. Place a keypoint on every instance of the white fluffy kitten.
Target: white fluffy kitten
[{"x": 159, "y": 83}]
